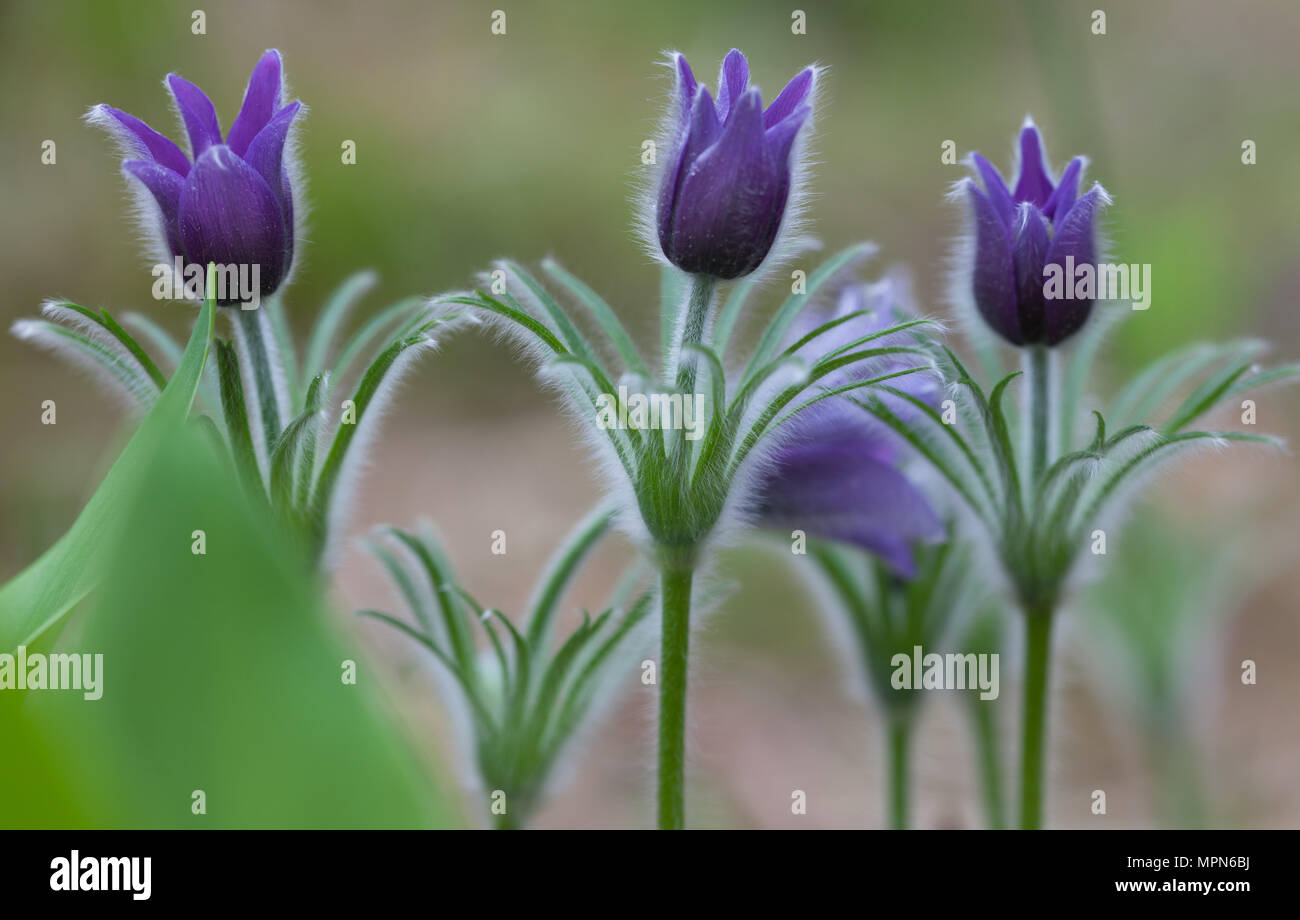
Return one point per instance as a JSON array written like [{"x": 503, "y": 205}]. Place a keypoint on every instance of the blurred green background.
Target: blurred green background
[{"x": 472, "y": 146}]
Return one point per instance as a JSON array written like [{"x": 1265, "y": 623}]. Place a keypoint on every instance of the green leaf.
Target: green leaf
[
  {"x": 1152, "y": 386},
  {"x": 824, "y": 367},
  {"x": 222, "y": 673},
  {"x": 402, "y": 576},
  {"x": 242, "y": 451},
  {"x": 158, "y": 337},
  {"x": 775, "y": 332},
  {"x": 40, "y": 595},
  {"x": 105, "y": 321},
  {"x": 331, "y": 320},
  {"x": 1205, "y": 397},
  {"x": 577, "y": 700},
  {"x": 274, "y": 306},
  {"x": 730, "y": 313},
  {"x": 161, "y": 341},
  {"x": 413, "y": 311},
  {"x": 575, "y": 340},
  {"x": 602, "y": 314},
  {"x": 298, "y": 441},
  {"x": 1160, "y": 450},
  {"x": 82, "y": 348},
  {"x": 1080, "y": 366},
  {"x": 625, "y": 441},
  {"x": 927, "y": 450},
  {"x": 1287, "y": 373},
  {"x": 560, "y": 570},
  {"x": 440, "y": 581},
  {"x": 929, "y": 413},
  {"x": 323, "y": 492},
  {"x": 518, "y": 317},
  {"x": 995, "y": 423}
]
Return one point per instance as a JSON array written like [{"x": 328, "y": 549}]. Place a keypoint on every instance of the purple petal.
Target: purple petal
[
  {"x": 996, "y": 189},
  {"x": 790, "y": 98},
  {"x": 723, "y": 216},
  {"x": 229, "y": 215},
  {"x": 732, "y": 80},
  {"x": 841, "y": 491},
  {"x": 1028, "y": 253},
  {"x": 1075, "y": 236},
  {"x": 780, "y": 137},
  {"x": 165, "y": 185},
  {"x": 993, "y": 278},
  {"x": 198, "y": 114},
  {"x": 266, "y": 155},
  {"x": 143, "y": 139},
  {"x": 1067, "y": 190},
  {"x": 266, "y": 152},
  {"x": 261, "y": 101},
  {"x": 685, "y": 90},
  {"x": 1034, "y": 184},
  {"x": 701, "y": 133}
]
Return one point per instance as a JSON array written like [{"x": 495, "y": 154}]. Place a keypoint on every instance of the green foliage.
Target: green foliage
[
  {"x": 683, "y": 487},
  {"x": 39, "y": 596},
  {"x": 220, "y": 674},
  {"x": 890, "y": 615},
  {"x": 284, "y": 452},
  {"x": 524, "y": 698},
  {"x": 1041, "y": 521}
]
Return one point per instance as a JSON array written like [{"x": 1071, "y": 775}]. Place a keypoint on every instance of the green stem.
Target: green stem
[
  {"x": 984, "y": 720},
  {"x": 698, "y": 305},
  {"x": 259, "y": 359},
  {"x": 676, "y": 599},
  {"x": 1038, "y": 648},
  {"x": 1040, "y": 410},
  {"x": 900, "y": 738}
]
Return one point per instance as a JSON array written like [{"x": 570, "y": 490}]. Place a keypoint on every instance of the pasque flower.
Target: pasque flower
[
  {"x": 1020, "y": 231},
  {"x": 837, "y": 476},
  {"x": 231, "y": 200},
  {"x": 724, "y": 194}
]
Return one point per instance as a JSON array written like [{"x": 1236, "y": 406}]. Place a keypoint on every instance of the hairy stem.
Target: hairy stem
[
  {"x": 506, "y": 822},
  {"x": 1040, "y": 411},
  {"x": 676, "y": 599},
  {"x": 900, "y": 739},
  {"x": 985, "y": 725},
  {"x": 258, "y": 356},
  {"x": 1038, "y": 649},
  {"x": 691, "y": 332}
]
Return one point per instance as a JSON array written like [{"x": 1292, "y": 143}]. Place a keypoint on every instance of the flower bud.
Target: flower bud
[
  {"x": 836, "y": 475},
  {"x": 231, "y": 200},
  {"x": 724, "y": 195},
  {"x": 1017, "y": 234}
]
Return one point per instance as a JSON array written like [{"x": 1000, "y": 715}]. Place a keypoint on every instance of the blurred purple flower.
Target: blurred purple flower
[
  {"x": 233, "y": 203},
  {"x": 836, "y": 476},
  {"x": 1018, "y": 233},
  {"x": 722, "y": 198}
]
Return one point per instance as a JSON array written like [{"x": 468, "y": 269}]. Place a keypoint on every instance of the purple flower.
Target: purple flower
[
  {"x": 723, "y": 196},
  {"x": 836, "y": 476},
  {"x": 1018, "y": 233},
  {"x": 231, "y": 200}
]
